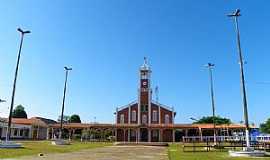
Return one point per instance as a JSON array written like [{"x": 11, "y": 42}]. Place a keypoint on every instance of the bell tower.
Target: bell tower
[{"x": 144, "y": 97}]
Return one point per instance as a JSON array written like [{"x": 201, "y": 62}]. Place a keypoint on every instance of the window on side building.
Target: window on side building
[
  {"x": 133, "y": 116},
  {"x": 154, "y": 115},
  {"x": 122, "y": 118},
  {"x": 167, "y": 119}
]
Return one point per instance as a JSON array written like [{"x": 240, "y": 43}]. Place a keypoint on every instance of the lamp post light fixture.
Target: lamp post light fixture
[
  {"x": 1, "y": 100},
  {"x": 63, "y": 102},
  {"x": 14, "y": 83},
  {"x": 193, "y": 119},
  {"x": 235, "y": 16},
  {"x": 210, "y": 67}
]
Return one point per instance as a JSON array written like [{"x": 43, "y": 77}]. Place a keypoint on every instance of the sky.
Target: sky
[{"x": 104, "y": 41}]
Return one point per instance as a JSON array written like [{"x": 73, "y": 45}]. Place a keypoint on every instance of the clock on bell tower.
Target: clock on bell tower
[{"x": 145, "y": 92}]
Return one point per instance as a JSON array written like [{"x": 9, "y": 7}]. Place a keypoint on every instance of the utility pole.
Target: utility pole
[
  {"x": 235, "y": 16},
  {"x": 14, "y": 84},
  {"x": 210, "y": 67},
  {"x": 63, "y": 103}
]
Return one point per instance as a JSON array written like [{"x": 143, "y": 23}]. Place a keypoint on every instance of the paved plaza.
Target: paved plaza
[{"x": 108, "y": 153}]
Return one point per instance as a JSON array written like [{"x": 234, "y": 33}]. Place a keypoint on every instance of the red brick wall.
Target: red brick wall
[
  {"x": 120, "y": 135},
  {"x": 144, "y": 97},
  {"x": 163, "y": 112},
  {"x": 125, "y": 112},
  {"x": 167, "y": 135}
]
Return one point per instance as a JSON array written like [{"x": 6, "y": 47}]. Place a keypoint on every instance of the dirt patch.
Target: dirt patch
[{"x": 108, "y": 153}]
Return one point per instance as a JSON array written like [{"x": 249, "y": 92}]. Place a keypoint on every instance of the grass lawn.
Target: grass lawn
[
  {"x": 175, "y": 152},
  {"x": 35, "y": 147}
]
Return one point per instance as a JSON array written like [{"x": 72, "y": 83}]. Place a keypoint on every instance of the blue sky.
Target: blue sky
[{"x": 105, "y": 42}]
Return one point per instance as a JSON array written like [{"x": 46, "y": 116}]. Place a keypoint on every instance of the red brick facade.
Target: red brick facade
[{"x": 143, "y": 114}]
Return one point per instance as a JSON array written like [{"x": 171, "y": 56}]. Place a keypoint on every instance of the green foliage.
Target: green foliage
[
  {"x": 65, "y": 119},
  {"x": 265, "y": 127},
  {"x": 75, "y": 119},
  {"x": 19, "y": 112},
  {"x": 209, "y": 120},
  {"x": 70, "y": 119}
]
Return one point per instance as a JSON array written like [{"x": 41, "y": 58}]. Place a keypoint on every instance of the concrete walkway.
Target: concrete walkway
[{"x": 109, "y": 153}]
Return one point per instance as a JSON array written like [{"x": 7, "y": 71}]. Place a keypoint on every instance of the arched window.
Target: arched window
[
  {"x": 154, "y": 116},
  {"x": 133, "y": 116},
  {"x": 167, "y": 119},
  {"x": 122, "y": 118},
  {"x": 144, "y": 119}
]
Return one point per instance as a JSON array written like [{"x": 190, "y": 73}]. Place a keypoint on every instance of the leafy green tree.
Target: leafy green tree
[
  {"x": 209, "y": 120},
  {"x": 66, "y": 119},
  {"x": 19, "y": 112},
  {"x": 75, "y": 119},
  {"x": 265, "y": 127}
]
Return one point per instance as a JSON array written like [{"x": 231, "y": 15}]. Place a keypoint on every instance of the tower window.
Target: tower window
[
  {"x": 144, "y": 108},
  {"x": 133, "y": 116},
  {"x": 144, "y": 75},
  {"x": 122, "y": 118}
]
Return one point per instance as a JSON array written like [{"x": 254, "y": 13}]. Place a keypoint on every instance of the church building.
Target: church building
[{"x": 145, "y": 120}]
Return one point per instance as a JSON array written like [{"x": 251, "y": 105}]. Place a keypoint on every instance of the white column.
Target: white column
[
  {"x": 129, "y": 110},
  {"x": 69, "y": 134},
  {"x": 37, "y": 132},
  {"x": 136, "y": 131},
  {"x": 48, "y": 133},
  {"x": 124, "y": 135},
  {"x": 116, "y": 115},
  {"x": 115, "y": 132},
  {"x": 159, "y": 115},
  {"x": 149, "y": 135},
  {"x": 172, "y": 115},
  {"x": 139, "y": 107},
  {"x": 52, "y": 133},
  {"x": 173, "y": 132},
  {"x": 138, "y": 134},
  {"x": 128, "y": 135},
  {"x": 160, "y": 135},
  {"x": 149, "y": 104}
]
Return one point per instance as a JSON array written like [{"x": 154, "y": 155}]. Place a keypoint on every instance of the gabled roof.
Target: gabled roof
[
  {"x": 162, "y": 105},
  {"x": 25, "y": 121},
  {"x": 45, "y": 120},
  {"x": 126, "y": 106},
  {"x": 154, "y": 102}
]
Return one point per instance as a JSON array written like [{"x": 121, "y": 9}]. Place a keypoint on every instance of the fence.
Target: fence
[{"x": 223, "y": 143}]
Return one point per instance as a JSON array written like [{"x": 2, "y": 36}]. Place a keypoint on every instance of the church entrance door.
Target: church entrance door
[{"x": 144, "y": 135}]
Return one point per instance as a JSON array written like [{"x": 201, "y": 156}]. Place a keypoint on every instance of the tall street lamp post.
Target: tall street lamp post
[
  {"x": 235, "y": 16},
  {"x": 14, "y": 83},
  {"x": 63, "y": 103},
  {"x": 210, "y": 67}
]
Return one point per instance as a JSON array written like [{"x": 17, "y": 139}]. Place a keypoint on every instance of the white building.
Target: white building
[{"x": 21, "y": 128}]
